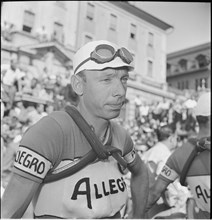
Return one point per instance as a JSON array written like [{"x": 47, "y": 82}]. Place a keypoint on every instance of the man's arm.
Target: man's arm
[
  {"x": 155, "y": 192},
  {"x": 17, "y": 196},
  {"x": 139, "y": 186}
]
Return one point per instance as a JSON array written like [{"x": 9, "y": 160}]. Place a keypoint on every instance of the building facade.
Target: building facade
[
  {"x": 38, "y": 34},
  {"x": 45, "y": 35},
  {"x": 188, "y": 69}
]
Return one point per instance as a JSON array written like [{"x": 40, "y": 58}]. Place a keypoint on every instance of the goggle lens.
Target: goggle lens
[
  {"x": 105, "y": 51},
  {"x": 126, "y": 55}
]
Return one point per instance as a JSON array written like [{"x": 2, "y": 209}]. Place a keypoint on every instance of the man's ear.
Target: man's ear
[{"x": 77, "y": 84}]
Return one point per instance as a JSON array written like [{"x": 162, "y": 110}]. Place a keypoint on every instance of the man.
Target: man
[
  {"x": 198, "y": 175},
  {"x": 98, "y": 190},
  {"x": 10, "y": 75},
  {"x": 155, "y": 158}
]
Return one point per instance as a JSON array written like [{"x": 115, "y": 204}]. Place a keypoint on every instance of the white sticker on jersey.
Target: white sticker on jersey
[
  {"x": 31, "y": 162},
  {"x": 200, "y": 187},
  {"x": 130, "y": 156},
  {"x": 168, "y": 173}
]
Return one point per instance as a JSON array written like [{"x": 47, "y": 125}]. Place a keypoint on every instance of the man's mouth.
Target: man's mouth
[{"x": 116, "y": 105}]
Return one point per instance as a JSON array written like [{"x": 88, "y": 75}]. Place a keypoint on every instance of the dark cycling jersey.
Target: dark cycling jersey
[{"x": 96, "y": 191}]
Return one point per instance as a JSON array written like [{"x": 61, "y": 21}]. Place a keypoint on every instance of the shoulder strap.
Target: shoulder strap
[
  {"x": 102, "y": 151},
  {"x": 86, "y": 130},
  {"x": 199, "y": 146},
  {"x": 85, "y": 160},
  {"x": 187, "y": 165},
  {"x": 97, "y": 149}
]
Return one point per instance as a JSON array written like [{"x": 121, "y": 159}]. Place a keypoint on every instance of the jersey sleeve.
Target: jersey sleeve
[
  {"x": 129, "y": 149},
  {"x": 122, "y": 140},
  {"x": 170, "y": 171},
  {"x": 39, "y": 149},
  {"x": 175, "y": 163}
]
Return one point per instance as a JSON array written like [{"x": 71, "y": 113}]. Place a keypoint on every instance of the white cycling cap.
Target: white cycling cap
[{"x": 84, "y": 53}]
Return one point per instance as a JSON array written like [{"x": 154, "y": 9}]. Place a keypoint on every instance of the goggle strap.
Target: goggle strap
[{"x": 86, "y": 60}]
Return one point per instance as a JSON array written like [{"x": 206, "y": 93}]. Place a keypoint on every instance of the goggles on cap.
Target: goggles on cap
[{"x": 105, "y": 53}]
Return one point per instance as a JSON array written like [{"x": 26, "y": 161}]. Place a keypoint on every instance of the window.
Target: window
[
  {"x": 182, "y": 85},
  {"x": 150, "y": 68},
  {"x": 133, "y": 31},
  {"x": 168, "y": 66},
  {"x": 187, "y": 84},
  {"x": 193, "y": 64},
  {"x": 90, "y": 12},
  {"x": 113, "y": 22},
  {"x": 202, "y": 60},
  {"x": 28, "y": 21},
  {"x": 151, "y": 39},
  {"x": 58, "y": 32},
  {"x": 87, "y": 39},
  {"x": 203, "y": 82},
  {"x": 206, "y": 82},
  {"x": 196, "y": 84},
  {"x": 183, "y": 64},
  {"x": 178, "y": 85}
]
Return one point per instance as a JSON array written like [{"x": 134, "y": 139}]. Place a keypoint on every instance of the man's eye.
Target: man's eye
[
  {"x": 107, "y": 80},
  {"x": 125, "y": 79}
]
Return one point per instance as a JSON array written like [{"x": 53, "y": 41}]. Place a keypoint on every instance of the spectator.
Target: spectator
[
  {"x": 33, "y": 114},
  {"x": 49, "y": 108},
  {"x": 18, "y": 106},
  {"x": 40, "y": 110},
  {"x": 11, "y": 76},
  {"x": 42, "y": 34},
  {"x": 6, "y": 30},
  {"x": 137, "y": 107},
  {"x": 144, "y": 110},
  {"x": 155, "y": 159}
]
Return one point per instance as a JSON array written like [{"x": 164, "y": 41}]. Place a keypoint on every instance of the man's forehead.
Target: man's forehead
[{"x": 109, "y": 71}]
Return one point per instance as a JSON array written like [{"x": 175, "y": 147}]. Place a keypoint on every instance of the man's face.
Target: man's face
[{"x": 104, "y": 92}]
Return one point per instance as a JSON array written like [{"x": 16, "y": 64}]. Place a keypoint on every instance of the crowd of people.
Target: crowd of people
[
  {"x": 25, "y": 99},
  {"x": 146, "y": 129},
  {"x": 150, "y": 117},
  {"x": 54, "y": 92}
]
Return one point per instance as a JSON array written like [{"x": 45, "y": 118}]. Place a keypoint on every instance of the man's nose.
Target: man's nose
[{"x": 119, "y": 89}]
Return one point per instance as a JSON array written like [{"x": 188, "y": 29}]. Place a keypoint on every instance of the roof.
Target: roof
[
  {"x": 189, "y": 50},
  {"x": 63, "y": 53},
  {"x": 187, "y": 72},
  {"x": 142, "y": 14}
]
